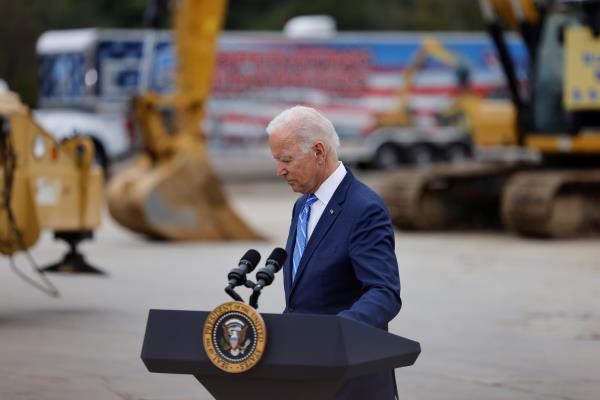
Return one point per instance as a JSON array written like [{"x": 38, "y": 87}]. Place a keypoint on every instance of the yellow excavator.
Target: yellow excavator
[
  {"x": 555, "y": 118},
  {"x": 430, "y": 48},
  {"x": 397, "y": 137},
  {"x": 171, "y": 191},
  {"x": 45, "y": 185}
]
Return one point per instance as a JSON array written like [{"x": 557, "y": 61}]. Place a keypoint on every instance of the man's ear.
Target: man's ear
[{"x": 319, "y": 150}]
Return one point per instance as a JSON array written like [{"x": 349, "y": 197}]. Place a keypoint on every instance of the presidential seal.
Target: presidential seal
[{"x": 234, "y": 337}]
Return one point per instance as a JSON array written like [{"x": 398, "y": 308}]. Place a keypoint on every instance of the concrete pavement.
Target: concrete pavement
[{"x": 498, "y": 317}]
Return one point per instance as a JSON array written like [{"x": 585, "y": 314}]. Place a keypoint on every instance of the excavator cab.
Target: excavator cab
[
  {"x": 45, "y": 185},
  {"x": 581, "y": 94}
]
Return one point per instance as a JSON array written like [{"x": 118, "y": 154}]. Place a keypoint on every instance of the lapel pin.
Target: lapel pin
[{"x": 331, "y": 211}]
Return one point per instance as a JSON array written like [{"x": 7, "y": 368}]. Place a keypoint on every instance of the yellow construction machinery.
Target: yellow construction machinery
[
  {"x": 45, "y": 185},
  {"x": 556, "y": 117},
  {"x": 430, "y": 48},
  {"x": 397, "y": 138},
  {"x": 170, "y": 191}
]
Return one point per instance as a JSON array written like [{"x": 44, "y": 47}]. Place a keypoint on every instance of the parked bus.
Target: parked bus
[{"x": 87, "y": 78}]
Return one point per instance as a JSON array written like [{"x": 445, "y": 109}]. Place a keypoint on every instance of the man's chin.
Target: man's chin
[{"x": 295, "y": 187}]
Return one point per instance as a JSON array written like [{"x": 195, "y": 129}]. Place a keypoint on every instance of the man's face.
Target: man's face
[{"x": 301, "y": 170}]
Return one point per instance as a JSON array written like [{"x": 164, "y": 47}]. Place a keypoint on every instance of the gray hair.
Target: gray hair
[{"x": 308, "y": 125}]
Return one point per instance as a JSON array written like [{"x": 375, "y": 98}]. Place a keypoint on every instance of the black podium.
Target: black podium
[{"x": 306, "y": 356}]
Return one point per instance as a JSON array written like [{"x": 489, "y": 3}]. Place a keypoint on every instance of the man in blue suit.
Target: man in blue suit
[{"x": 341, "y": 242}]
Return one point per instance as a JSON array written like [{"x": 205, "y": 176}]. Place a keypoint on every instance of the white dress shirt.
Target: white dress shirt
[{"x": 324, "y": 194}]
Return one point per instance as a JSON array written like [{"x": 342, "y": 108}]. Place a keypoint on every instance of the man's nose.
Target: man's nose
[{"x": 281, "y": 171}]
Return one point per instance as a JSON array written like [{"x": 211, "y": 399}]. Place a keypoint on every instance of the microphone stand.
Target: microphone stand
[
  {"x": 229, "y": 289},
  {"x": 233, "y": 294},
  {"x": 257, "y": 290}
]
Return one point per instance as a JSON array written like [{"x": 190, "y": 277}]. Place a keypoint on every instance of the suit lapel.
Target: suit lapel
[
  {"x": 330, "y": 214},
  {"x": 289, "y": 248}
]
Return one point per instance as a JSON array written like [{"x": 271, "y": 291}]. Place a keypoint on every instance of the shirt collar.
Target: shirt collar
[{"x": 325, "y": 192}]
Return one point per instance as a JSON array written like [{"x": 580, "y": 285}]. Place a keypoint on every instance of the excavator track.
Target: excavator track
[
  {"x": 446, "y": 196},
  {"x": 530, "y": 202},
  {"x": 553, "y": 203}
]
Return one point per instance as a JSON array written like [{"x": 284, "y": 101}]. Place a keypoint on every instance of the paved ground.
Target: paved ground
[{"x": 498, "y": 317}]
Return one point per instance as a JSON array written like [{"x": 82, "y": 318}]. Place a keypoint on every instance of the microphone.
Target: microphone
[
  {"x": 266, "y": 275},
  {"x": 237, "y": 276}
]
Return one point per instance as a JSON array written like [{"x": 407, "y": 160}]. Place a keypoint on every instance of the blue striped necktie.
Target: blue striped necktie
[{"x": 301, "y": 234}]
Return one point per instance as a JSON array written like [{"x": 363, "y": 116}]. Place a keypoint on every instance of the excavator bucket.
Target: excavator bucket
[{"x": 178, "y": 199}]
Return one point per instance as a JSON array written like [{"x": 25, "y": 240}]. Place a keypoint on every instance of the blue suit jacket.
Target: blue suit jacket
[{"x": 348, "y": 268}]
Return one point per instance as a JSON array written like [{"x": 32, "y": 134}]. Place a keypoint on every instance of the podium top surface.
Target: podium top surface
[{"x": 299, "y": 346}]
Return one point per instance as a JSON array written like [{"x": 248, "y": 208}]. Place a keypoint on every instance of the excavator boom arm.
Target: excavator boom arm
[{"x": 171, "y": 191}]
